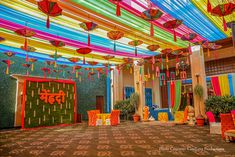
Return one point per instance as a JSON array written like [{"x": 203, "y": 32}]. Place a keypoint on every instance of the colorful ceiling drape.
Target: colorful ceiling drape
[{"x": 15, "y": 14}]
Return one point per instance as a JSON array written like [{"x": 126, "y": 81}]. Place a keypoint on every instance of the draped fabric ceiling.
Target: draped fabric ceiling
[{"x": 16, "y": 14}]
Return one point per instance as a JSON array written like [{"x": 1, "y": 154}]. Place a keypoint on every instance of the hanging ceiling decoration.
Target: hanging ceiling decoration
[
  {"x": 115, "y": 35},
  {"x": 50, "y": 8},
  {"x": 56, "y": 44},
  {"x": 151, "y": 15},
  {"x": 173, "y": 24},
  {"x": 118, "y": 8},
  {"x": 88, "y": 26},
  {"x": 134, "y": 23},
  {"x": 222, "y": 10},
  {"x": 84, "y": 51},
  {"x": 26, "y": 32},
  {"x": 135, "y": 43}
]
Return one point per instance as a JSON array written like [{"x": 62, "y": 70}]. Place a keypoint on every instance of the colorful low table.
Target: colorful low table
[{"x": 104, "y": 117}]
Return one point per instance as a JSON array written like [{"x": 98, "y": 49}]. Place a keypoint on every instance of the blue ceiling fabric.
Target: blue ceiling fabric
[{"x": 192, "y": 17}]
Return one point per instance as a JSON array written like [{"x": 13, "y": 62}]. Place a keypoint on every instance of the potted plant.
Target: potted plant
[
  {"x": 220, "y": 105},
  {"x": 134, "y": 101},
  {"x": 125, "y": 107},
  {"x": 199, "y": 92}
]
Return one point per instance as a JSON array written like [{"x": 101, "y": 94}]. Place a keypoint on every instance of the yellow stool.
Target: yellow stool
[{"x": 163, "y": 117}]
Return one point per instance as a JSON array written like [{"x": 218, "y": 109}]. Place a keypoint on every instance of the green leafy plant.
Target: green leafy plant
[
  {"x": 134, "y": 101},
  {"x": 220, "y": 104},
  {"x": 125, "y": 107},
  {"x": 198, "y": 91}
]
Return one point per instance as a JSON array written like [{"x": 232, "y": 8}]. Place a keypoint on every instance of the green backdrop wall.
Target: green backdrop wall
[{"x": 87, "y": 90}]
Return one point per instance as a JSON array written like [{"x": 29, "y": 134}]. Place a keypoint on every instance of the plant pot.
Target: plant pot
[
  {"x": 200, "y": 120},
  {"x": 136, "y": 118}
]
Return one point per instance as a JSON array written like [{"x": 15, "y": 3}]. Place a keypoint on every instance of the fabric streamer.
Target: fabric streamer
[
  {"x": 233, "y": 79},
  {"x": 169, "y": 94},
  {"x": 215, "y": 85},
  {"x": 173, "y": 93},
  {"x": 231, "y": 84},
  {"x": 177, "y": 95},
  {"x": 224, "y": 85}
]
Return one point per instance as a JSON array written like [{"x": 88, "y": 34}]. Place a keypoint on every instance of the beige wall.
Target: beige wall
[{"x": 128, "y": 79}]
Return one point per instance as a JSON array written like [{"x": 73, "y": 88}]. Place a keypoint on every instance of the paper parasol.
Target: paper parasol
[
  {"x": 115, "y": 35},
  {"x": 56, "y": 44},
  {"x": 153, "y": 47},
  {"x": 8, "y": 62},
  {"x": 151, "y": 15},
  {"x": 84, "y": 51},
  {"x": 32, "y": 60},
  {"x": 25, "y": 32},
  {"x": 27, "y": 50},
  {"x": 135, "y": 43},
  {"x": 173, "y": 24},
  {"x": 27, "y": 66},
  {"x": 88, "y": 26},
  {"x": 222, "y": 10},
  {"x": 50, "y": 8}
]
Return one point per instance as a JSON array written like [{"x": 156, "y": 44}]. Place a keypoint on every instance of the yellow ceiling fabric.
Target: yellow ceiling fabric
[{"x": 218, "y": 21}]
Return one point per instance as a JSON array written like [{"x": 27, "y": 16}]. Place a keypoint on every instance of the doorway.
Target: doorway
[
  {"x": 164, "y": 96},
  {"x": 100, "y": 103}
]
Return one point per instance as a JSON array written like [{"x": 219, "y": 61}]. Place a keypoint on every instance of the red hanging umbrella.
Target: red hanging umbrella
[
  {"x": 50, "y": 9},
  {"x": 56, "y": 44},
  {"x": 222, "y": 10},
  {"x": 9, "y": 55},
  {"x": 153, "y": 47},
  {"x": 77, "y": 68},
  {"x": 28, "y": 49},
  {"x": 74, "y": 59},
  {"x": 99, "y": 71},
  {"x": 189, "y": 37},
  {"x": 177, "y": 53},
  {"x": 208, "y": 6},
  {"x": 88, "y": 26},
  {"x": 118, "y": 8},
  {"x": 27, "y": 66},
  {"x": 25, "y": 32},
  {"x": 107, "y": 58},
  {"x": 151, "y": 15},
  {"x": 115, "y": 35},
  {"x": 32, "y": 60},
  {"x": 8, "y": 62},
  {"x": 46, "y": 71},
  {"x": 173, "y": 24},
  {"x": 135, "y": 43},
  {"x": 92, "y": 63},
  {"x": 84, "y": 51},
  {"x": 166, "y": 52},
  {"x": 2, "y": 39}
]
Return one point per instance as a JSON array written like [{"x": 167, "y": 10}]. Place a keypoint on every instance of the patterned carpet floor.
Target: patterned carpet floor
[{"x": 127, "y": 139}]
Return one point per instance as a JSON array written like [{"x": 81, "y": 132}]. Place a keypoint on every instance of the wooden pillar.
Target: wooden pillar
[
  {"x": 117, "y": 85},
  {"x": 198, "y": 69},
  {"x": 139, "y": 87},
  {"x": 156, "y": 92}
]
